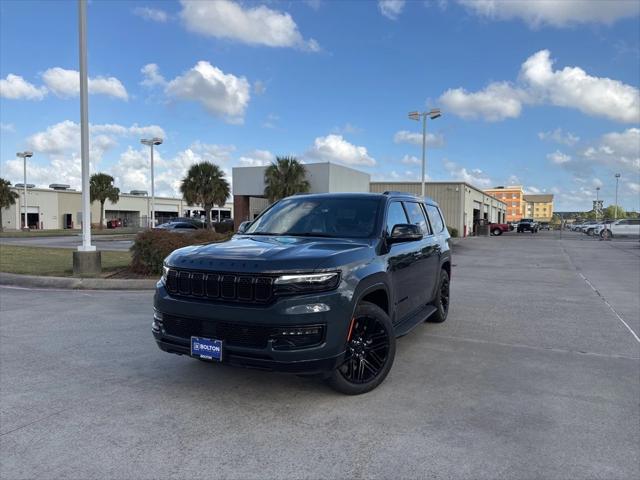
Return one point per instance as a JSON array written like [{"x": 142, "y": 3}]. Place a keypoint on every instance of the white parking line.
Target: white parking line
[{"x": 610, "y": 307}]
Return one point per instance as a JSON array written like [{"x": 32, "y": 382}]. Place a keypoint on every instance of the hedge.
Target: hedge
[
  {"x": 453, "y": 232},
  {"x": 151, "y": 247}
]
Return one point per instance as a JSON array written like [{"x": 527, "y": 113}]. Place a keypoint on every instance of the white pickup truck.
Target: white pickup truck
[{"x": 628, "y": 227}]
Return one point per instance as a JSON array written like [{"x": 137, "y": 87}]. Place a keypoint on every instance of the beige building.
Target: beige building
[
  {"x": 61, "y": 207},
  {"x": 462, "y": 204},
  {"x": 538, "y": 207}
]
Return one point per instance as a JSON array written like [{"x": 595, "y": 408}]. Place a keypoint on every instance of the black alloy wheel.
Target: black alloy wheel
[
  {"x": 370, "y": 350},
  {"x": 443, "y": 299}
]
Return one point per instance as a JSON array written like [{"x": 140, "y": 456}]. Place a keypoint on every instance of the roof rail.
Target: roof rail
[{"x": 397, "y": 192}]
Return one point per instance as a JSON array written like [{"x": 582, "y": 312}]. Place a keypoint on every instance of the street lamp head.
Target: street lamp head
[
  {"x": 434, "y": 113},
  {"x": 156, "y": 140},
  {"x": 414, "y": 116},
  {"x": 617, "y": 175},
  {"x": 24, "y": 154},
  {"x": 151, "y": 141}
]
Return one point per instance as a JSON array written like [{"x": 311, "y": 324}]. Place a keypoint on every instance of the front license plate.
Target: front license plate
[{"x": 206, "y": 348}]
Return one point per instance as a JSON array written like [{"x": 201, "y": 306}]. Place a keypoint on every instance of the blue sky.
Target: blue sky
[{"x": 543, "y": 94}]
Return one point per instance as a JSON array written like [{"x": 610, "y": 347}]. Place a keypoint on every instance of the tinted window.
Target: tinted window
[
  {"x": 395, "y": 215},
  {"x": 416, "y": 216},
  {"x": 185, "y": 225},
  {"x": 623, "y": 222},
  {"x": 437, "y": 223},
  {"x": 634, "y": 222},
  {"x": 319, "y": 216}
]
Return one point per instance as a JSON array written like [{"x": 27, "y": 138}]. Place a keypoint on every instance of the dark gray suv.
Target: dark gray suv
[{"x": 317, "y": 284}]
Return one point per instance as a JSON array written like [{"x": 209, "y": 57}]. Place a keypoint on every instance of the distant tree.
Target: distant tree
[
  {"x": 101, "y": 188},
  {"x": 7, "y": 197},
  {"x": 205, "y": 185},
  {"x": 284, "y": 177},
  {"x": 610, "y": 212}
]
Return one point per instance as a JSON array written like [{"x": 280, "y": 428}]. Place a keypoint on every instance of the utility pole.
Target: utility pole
[
  {"x": 617, "y": 175},
  {"x": 432, "y": 114}
]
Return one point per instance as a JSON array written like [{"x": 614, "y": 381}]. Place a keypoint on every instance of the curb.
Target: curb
[{"x": 74, "y": 283}]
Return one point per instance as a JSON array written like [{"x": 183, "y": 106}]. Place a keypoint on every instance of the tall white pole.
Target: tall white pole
[
  {"x": 153, "y": 194},
  {"x": 26, "y": 224},
  {"x": 84, "y": 129},
  {"x": 424, "y": 147},
  {"x": 616, "y": 207}
]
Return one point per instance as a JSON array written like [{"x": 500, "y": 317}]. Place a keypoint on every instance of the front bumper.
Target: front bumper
[{"x": 319, "y": 358}]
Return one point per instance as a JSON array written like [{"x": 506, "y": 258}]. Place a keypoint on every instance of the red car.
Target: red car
[{"x": 498, "y": 228}]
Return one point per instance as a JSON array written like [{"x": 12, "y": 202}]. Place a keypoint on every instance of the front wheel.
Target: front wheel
[
  {"x": 606, "y": 234},
  {"x": 497, "y": 231},
  {"x": 441, "y": 301},
  {"x": 370, "y": 350}
]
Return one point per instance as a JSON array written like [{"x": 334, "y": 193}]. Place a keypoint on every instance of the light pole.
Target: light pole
[
  {"x": 24, "y": 156},
  {"x": 597, "y": 201},
  {"x": 432, "y": 114},
  {"x": 151, "y": 142},
  {"x": 617, "y": 175}
]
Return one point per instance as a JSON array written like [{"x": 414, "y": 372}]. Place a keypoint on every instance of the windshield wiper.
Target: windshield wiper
[
  {"x": 308, "y": 234},
  {"x": 262, "y": 233}
]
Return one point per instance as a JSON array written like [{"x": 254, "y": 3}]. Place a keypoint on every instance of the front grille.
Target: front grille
[
  {"x": 252, "y": 336},
  {"x": 226, "y": 287}
]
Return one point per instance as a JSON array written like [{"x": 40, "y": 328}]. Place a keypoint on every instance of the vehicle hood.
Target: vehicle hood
[{"x": 246, "y": 253}]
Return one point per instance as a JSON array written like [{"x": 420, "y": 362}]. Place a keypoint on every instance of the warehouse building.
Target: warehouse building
[
  {"x": 463, "y": 205},
  {"x": 60, "y": 207},
  {"x": 248, "y": 186}
]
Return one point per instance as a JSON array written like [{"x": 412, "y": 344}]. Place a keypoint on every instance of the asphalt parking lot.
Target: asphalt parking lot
[{"x": 534, "y": 375}]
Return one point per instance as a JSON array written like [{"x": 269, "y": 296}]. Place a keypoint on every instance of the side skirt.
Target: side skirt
[{"x": 417, "y": 318}]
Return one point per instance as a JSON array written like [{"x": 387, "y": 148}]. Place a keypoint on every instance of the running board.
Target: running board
[{"x": 410, "y": 323}]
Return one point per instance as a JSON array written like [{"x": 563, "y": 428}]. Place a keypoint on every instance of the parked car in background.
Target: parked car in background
[
  {"x": 545, "y": 226},
  {"x": 317, "y": 284},
  {"x": 628, "y": 227},
  {"x": 497, "y": 229},
  {"x": 179, "y": 227},
  {"x": 527, "y": 225}
]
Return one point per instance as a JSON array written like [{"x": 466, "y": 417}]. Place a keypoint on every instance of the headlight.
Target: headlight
[
  {"x": 307, "y": 282},
  {"x": 165, "y": 272}
]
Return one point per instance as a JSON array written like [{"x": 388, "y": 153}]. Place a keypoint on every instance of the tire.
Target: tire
[
  {"x": 590, "y": 232},
  {"x": 497, "y": 232},
  {"x": 442, "y": 300},
  {"x": 369, "y": 356},
  {"x": 606, "y": 234}
]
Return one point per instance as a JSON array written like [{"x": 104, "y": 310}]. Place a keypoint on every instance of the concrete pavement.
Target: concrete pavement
[{"x": 532, "y": 376}]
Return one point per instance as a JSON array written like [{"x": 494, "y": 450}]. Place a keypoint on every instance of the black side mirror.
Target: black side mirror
[
  {"x": 405, "y": 232},
  {"x": 243, "y": 226}
]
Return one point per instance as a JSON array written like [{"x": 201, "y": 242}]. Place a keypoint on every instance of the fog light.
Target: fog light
[
  {"x": 309, "y": 308},
  {"x": 287, "y": 338}
]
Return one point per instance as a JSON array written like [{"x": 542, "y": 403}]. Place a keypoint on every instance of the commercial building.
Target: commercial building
[
  {"x": 539, "y": 207},
  {"x": 512, "y": 196},
  {"x": 462, "y": 204},
  {"x": 248, "y": 186},
  {"x": 60, "y": 207}
]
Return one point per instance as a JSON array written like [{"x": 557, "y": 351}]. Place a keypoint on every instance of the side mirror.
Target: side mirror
[
  {"x": 405, "y": 232},
  {"x": 243, "y": 226}
]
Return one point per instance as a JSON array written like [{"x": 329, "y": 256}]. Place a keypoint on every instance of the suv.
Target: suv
[
  {"x": 527, "y": 225},
  {"x": 317, "y": 284}
]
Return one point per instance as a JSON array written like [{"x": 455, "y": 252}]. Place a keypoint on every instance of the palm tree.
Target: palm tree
[
  {"x": 205, "y": 185},
  {"x": 284, "y": 177},
  {"x": 102, "y": 189},
  {"x": 7, "y": 197}
]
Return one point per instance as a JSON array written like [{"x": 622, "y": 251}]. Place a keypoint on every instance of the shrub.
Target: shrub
[
  {"x": 453, "y": 232},
  {"x": 222, "y": 227},
  {"x": 151, "y": 247}
]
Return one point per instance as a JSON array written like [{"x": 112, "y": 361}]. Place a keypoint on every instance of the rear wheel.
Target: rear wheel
[
  {"x": 497, "y": 231},
  {"x": 606, "y": 234},
  {"x": 370, "y": 350},
  {"x": 441, "y": 301}
]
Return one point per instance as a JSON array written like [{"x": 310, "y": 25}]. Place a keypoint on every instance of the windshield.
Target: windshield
[{"x": 323, "y": 217}]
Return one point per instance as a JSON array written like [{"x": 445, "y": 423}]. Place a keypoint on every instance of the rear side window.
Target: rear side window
[
  {"x": 634, "y": 222},
  {"x": 437, "y": 223},
  {"x": 416, "y": 216},
  {"x": 395, "y": 215}
]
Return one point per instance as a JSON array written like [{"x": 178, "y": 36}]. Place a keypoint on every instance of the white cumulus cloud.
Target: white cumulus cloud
[
  {"x": 620, "y": 150},
  {"x": 556, "y": 13},
  {"x": 152, "y": 76},
  {"x": 498, "y": 101},
  {"x": 391, "y": 8},
  {"x": 475, "y": 176},
  {"x": 334, "y": 148},
  {"x": 559, "y": 136},
  {"x": 221, "y": 94},
  {"x": 14, "y": 87},
  {"x": 66, "y": 83},
  {"x": 415, "y": 138},
  {"x": 152, "y": 14},
  {"x": 256, "y": 158},
  {"x": 558, "y": 157},
  {"x": 256, "y": 25}
]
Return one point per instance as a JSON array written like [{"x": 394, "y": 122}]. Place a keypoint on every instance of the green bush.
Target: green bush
[
  {"x": 453, "y": 232},
  {"x": 151, "y": 247}
]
